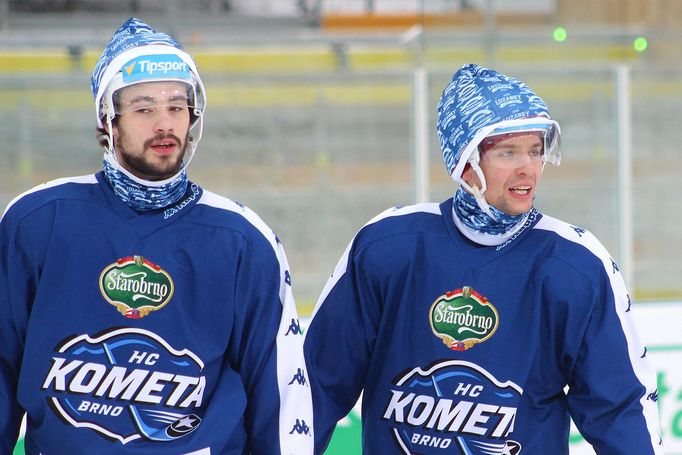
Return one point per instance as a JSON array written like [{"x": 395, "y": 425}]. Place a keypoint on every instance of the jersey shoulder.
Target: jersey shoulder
[
  {"x": 572, "y": 244},
  {"x": 79, "y": 187},
  {"x": 221, "y": 212},
  {"x": 410, "y": 219}
]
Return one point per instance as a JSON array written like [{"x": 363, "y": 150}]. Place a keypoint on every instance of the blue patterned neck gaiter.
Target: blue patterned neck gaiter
[
  {"x": 141, "y": 197},
  {"x": 472, "y": 217}
]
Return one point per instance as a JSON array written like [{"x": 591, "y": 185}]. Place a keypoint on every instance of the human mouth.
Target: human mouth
[
  {"x": 521, "y": 190},
  {"x": 164, "y": 147}
]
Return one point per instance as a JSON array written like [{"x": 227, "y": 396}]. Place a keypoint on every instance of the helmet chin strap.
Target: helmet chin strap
[
  {"x": 478, "y": 192},
  {"x": 482, "y": 203},
  {"x": 110, "y": 137}
]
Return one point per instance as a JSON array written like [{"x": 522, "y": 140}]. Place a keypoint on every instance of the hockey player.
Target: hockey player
[
  {"x": 479, "y": 325},
  {"x": 140, "y": 313}
]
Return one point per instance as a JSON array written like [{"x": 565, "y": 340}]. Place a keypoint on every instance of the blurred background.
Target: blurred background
[{"x": 321, "y": 114}]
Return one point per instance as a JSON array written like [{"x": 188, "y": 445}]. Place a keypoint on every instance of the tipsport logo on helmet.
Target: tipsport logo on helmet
[
  {"x": 126, "y": 384},
  {"x": 132, "y": 34},
  {"x": 155, "y": 67},
  {"x": 453, "y": 407}
]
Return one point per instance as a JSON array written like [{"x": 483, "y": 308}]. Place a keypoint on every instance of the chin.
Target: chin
[{"x": 516, "y": 211}]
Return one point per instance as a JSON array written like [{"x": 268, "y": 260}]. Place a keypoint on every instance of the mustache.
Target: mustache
[{"x": 160, "y": 137}]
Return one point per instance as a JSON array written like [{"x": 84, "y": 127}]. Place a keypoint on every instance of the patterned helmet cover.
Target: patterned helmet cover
[
  {"x": 137, "y": 53},
  {"x": 476, "y": 102}
]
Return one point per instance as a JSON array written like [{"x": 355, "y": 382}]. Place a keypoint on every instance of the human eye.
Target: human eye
[
  {"x": 504, "y": 153},
  {"x": 142, "y": 109},
  {"x": 177, "y": 107},
  {"x": 537, "y": 153}
]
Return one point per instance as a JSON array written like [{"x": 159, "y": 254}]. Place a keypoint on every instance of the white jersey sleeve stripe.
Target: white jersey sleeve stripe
[
  {"x": 295, "y": 402},
  {"x": 642, "y": 370}
]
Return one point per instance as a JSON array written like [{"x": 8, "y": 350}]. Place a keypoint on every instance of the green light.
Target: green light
[
  {"x": 559, "y": 34},
  {"x": 640, "y": 44}
]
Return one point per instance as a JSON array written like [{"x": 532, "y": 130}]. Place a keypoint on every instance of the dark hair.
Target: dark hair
[{"x": 102, "y": 137}]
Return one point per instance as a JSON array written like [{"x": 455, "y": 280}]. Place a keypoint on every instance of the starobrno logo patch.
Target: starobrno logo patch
[
  {"x": 463, "y": 318},
  {"x": 136, "y": 286}
]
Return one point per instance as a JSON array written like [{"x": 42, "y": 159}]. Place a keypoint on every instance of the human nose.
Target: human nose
[
  {"x": 525, "y": 164},
  {"x": 162, "y": 120}
]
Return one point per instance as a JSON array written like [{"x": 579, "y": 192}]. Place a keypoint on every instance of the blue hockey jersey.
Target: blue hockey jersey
[
  {"x": 465, "y": 349},
  {"x": 167, "y": 332}
]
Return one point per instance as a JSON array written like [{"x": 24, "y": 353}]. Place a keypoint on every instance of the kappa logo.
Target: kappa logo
[
  {"x": 463, "y": 318},
  {"x": 136, "y": 286},
  {"x": 126, "y": 384},
  {"x": 298, "y": 378},
  {"x": 294, "y": 328},
  {"x": 614, "y": 266},
  {"x": 653, "y": 396},
  {"x": 300, "y": 427},
  {"x": 578, "y": 230},
  {"x": 453, "y": 407}
]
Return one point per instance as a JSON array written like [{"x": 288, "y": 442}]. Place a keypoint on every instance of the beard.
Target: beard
[{"x": 140, "y": 164}]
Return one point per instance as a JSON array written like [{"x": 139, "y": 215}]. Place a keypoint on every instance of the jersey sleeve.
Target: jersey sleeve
[
  {"x": 338, "y": 345},
  {"x": 612, "y": 393},
  {"x": 16, "y": 290},
  {"x": 267, "y": 350}
]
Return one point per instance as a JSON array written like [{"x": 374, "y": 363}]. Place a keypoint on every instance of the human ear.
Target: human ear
[{"x": 469, "y": 176}]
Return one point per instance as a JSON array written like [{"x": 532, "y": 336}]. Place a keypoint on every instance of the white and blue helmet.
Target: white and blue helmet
[
  {"x": 135, "y": 54},
  {"x": 480, "y": 102}
]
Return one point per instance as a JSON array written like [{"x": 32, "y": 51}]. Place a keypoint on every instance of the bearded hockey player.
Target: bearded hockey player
[
  {"x": 140, "y": 313},
  {"x": 479, "y": 325}
]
